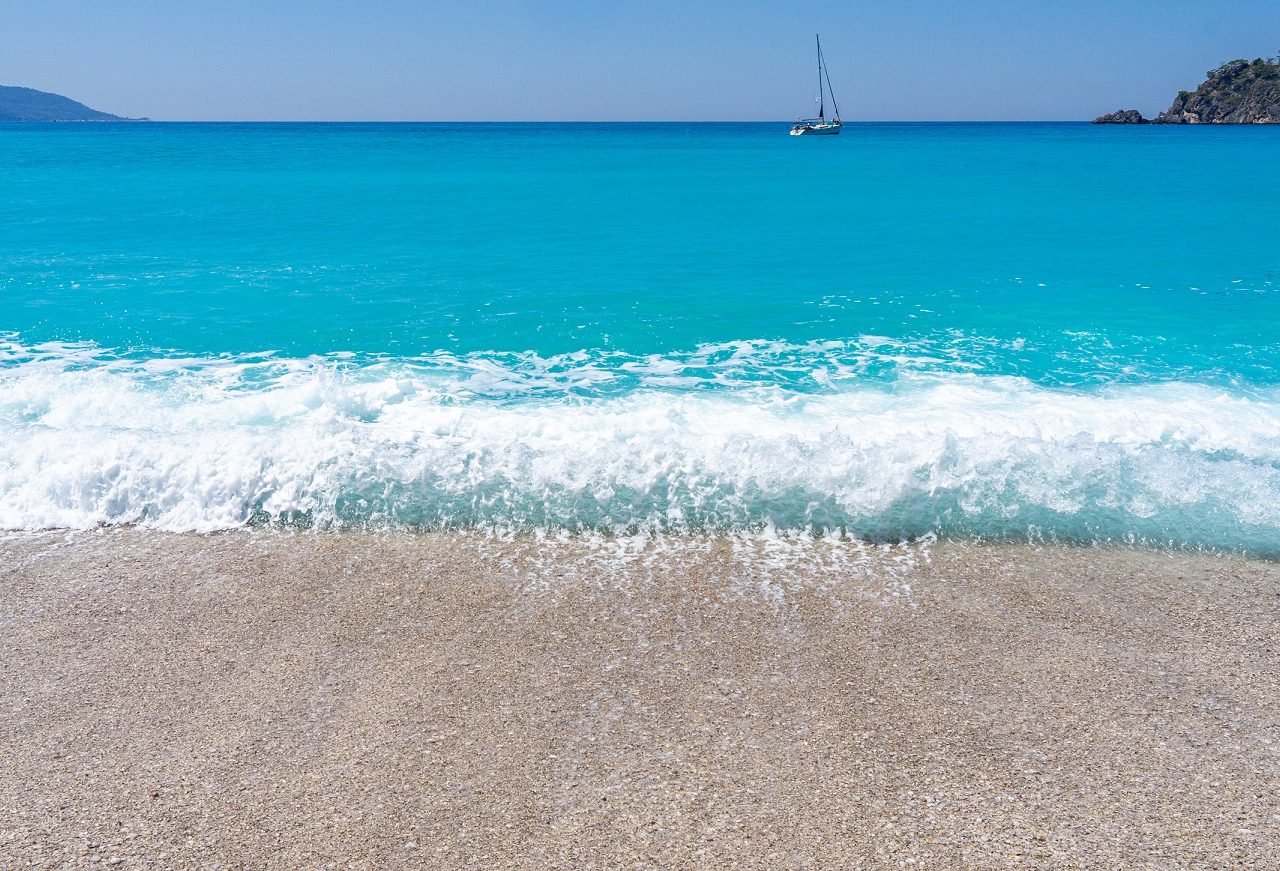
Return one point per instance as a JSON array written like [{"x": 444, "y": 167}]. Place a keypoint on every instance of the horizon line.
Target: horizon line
[{"x": 552, "y": 121}]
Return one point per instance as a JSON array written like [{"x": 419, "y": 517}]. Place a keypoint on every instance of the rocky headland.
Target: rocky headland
[
  {"x": 28, "y": 104},
  {"x": 1238, "y": 92}
]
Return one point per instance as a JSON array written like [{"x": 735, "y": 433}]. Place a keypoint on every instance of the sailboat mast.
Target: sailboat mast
[
  {"x": 822, "y": 71},
  {"x": 822, "y": 106}
]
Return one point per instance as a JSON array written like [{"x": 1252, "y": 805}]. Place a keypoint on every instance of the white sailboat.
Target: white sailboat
[{"x": 820, "y": 126}]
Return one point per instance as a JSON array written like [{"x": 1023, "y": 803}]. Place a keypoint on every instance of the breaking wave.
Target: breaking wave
[{"x": 861, "y": 439}]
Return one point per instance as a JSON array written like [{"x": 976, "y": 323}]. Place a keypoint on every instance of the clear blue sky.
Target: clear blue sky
[{"x": 623, "y": 60}]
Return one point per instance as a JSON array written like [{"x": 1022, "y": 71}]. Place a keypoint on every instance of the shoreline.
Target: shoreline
[{"x": 447, "y": 700}]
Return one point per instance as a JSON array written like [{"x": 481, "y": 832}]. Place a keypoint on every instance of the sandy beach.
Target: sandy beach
[{"x": 268, "y": 700}]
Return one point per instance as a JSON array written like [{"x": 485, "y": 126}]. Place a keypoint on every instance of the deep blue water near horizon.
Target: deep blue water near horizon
[{"x": 1008, "y": 330}]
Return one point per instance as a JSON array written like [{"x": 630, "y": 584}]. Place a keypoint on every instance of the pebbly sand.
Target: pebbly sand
[{"x": 267, "y": 700}]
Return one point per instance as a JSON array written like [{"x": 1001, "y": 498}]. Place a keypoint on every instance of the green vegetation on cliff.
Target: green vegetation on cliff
[{"x": 1238, "y": 92}]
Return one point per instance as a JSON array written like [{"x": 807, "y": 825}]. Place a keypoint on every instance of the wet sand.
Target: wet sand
[{"x": 264, "y": 700}]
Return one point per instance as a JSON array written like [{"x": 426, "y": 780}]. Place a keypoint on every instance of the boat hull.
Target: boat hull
[{"x": 824, "y": 130}]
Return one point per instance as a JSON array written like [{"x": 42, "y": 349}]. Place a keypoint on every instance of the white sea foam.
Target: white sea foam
[
  {"x": 518, "y": 442},
  {"x": 768, "y": 564}
]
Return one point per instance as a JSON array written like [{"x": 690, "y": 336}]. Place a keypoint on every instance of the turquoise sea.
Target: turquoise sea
[{"x": 1015, "y": 331}]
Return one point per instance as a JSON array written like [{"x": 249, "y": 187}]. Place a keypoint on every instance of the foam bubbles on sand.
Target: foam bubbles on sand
[{"x": 767, "y": 565}]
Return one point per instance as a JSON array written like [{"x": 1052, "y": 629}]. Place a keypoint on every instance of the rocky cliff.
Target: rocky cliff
[{"x": 1238, "y": 92}]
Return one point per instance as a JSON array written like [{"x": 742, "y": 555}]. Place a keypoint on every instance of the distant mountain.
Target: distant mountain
[
  {"x": 1238, "y": 92},
  {"x": 27, "y": 104}
]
